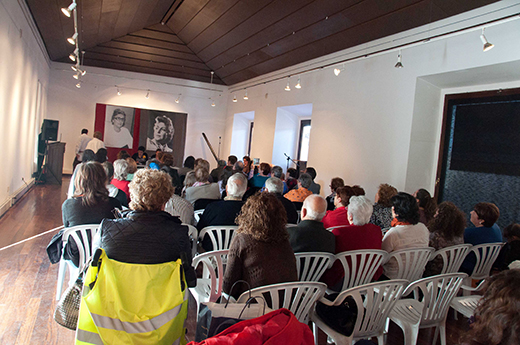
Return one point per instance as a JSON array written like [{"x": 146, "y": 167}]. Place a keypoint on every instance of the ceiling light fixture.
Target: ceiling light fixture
[
  {"x": 245, "y": 96},
  {"x": 78, "y": 85},
  {"x": 178, "y": 99},
  {"x": 68, "y": 11},
  {"x": 74, "y": 68},
  {"x": 487, "y": 46},
  {"x": 147, "y": 94},
  {"x": 235, "y": 98},
  {"x": 72, "y": 40},
  {"x": 337, "y": 71},
  {"x": 287, "y": 87},
  {"x": 298, "y": 85},
  {"x": 213, "y": 104},
  {"x": 399, "y": 63},
  {"x": 119, "y": 93},
  {"x": 76, "y": 76},
  {"x": 72, "y": 57}
]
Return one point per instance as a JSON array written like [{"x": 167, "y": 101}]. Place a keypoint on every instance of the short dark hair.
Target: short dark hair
[
  {"x": 488, "y": 212},
  {"x": 189, "y": 162},
  {"x": 345, "y": 193},
  {"x": 406, "y": 208},
  {"x": 266, "y": 168},
  {"x": 101, "y": 155},
  {"x": 311, "y": 171},
  {"x": 98, "y": 135},
  {"x": 358, "y": 190},
  {"x": 141, "y": 148},
  {"x": 510, "y": 231},
  {"x": 123, "y": 154},
  {"x": 305, "y": 180},
  {"x": 292, "y": 172},
  {"x": 232, "y": 159},
  {"x": 84, "y": 131},
  {"x": 336, "y": 182},
  {"x": 88, "y": 155}
]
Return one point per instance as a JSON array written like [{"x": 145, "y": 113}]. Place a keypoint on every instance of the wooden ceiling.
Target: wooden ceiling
[{"x": 238, "y": 39}]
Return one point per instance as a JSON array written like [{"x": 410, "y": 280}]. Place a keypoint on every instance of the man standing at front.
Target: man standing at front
[{"x": 80, "y": 147}]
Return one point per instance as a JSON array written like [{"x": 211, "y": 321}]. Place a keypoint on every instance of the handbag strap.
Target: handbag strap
[{"x": 232, "y": 286}]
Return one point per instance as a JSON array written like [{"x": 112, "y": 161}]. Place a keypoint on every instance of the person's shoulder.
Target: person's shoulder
[{"x": 114, "y": 202}]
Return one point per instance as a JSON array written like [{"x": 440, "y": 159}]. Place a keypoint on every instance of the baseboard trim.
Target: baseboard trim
[{"x": 16, "y": 196}]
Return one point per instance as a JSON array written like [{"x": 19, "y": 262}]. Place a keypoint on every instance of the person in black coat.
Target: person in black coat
[{"x": 275, "y": 185}]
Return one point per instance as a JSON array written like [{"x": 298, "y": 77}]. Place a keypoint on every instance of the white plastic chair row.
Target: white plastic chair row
[{"x": 220, "y": 235}]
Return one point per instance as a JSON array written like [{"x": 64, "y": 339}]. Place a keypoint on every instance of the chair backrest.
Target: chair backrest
[
  {"x": 337, "y": 227},
  {"x": 360, "y": 266},
  {"x": 212, "y": 272},
  {"x": 376, "y": 300},
  {"x": 197, "y": 214},
  {"x": 82, "y": 235},
  {"x": 486, "y": 254},
  {"x": 220, "y": 235},
  {"x": 437, "y": 293},
  {"x": 312, "y": 265},
  {"x": 411, "y": 262},
  {"x": 452, "y": 257},
  {"x": 193, "y": 235},
  {"x": 298, "y": 297}
]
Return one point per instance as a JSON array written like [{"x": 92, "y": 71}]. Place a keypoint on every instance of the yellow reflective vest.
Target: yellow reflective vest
[{"x": 133, "y": 303}]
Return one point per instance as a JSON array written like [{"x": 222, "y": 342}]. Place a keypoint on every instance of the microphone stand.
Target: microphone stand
[{"x": 292, "y": 160}]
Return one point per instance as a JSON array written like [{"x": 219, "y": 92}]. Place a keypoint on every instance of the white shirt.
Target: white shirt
[
  {"x": 118, "y": 139},
  {"x": 95, "y": 144},
  {"x": 83, "y": 140}
]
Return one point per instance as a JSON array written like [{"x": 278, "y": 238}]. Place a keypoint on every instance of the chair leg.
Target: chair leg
[
  {"x": 435, "y": 335},
  {"x": 61, "y": 278},
  {"x": 442, "y": 331},
  {"x": 410, "y": 333},
  {"x": 315, "y": 329},
  {"x": 381, "y": 339}
]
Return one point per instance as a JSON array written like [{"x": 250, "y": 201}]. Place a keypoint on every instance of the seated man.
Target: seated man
[
  {"x": 300, "y": 194},
  {"x": 224, "y": 212},
  {"x": 314, "y": 187},
  {"x": 277, "y": 172},
  {"x": 275, "y": 185},
  {"x": 310, "y": 235}
]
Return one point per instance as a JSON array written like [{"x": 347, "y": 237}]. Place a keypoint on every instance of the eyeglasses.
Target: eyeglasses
[{"x": 119, "y": 118}]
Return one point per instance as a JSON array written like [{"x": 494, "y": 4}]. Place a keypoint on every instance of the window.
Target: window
[{"x": 303, "y": 142}]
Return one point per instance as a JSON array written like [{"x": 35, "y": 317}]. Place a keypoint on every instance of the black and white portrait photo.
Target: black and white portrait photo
[
  {"x": 160, "y": 134},
  {"x": 119, "y": 126}
]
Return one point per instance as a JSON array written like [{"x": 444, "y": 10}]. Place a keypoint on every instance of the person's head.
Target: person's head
[
  {"x": 84, "y": 131},
  {"x": 274, "y": 185},
  {"x": 314, "y": 208},
  {"x": 118, "y": 118},
  {"x": 90, "y": 183},
  {"x": 120, "y": 169},
  {"x": 236, "y": 186},
  {"x": 150, "y": 190},
  {"x": 265, "y": 169},
  {"x": 202, "y": 163},
  {"x": 384, "y": 194},
  {"x": 335, "y": 183},
  {"x": 305, "y": 180},
  {"x": 101, "y": 155},
  {"x": 264, "y": 218},
  {"x": 359, "y": 210},
  {"x": 189, "y": 180},
  {"x": 232, "y": 160},
  {"x": 201, "y": 174},
  {"x": 98, "y": 135},
  {"x": 449, "y": 221},
  {"x": 159, "y": 154},
  {"x": 239, "y": 166},
  {"x": 497, "y": 320},
  {"x": 277, "y": 171},
  {"x": 163, "y": 129},
  {"x": 343, "y": 195},
  {"x": 292, "y": 172},
  {"x": 132, "y": 165},
  {"x": 123, "y": 154},
  {"x": 311, "y": 171},
  {"x": 88, "y": 156},
  {"x": 153, "y": 164},
  {"x": 140, "y": 151},
  {"x": 247, "y": 161},
  {"x": 221, "y": 163},
  {"x": 484, "y": 214},
  {"x": 189, "y": 162},
  {"x": 167, "y": 159},
  {"x": 405, "y": 208},
  {"x": 426, "y": 202},
  {"x": 511, "y": 232},
  {"x": 109, "y": 171},
  {"x": 358, "y": 190}
]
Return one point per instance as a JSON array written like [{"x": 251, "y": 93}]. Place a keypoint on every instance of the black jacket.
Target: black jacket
[{"x": 311, "y": 236}]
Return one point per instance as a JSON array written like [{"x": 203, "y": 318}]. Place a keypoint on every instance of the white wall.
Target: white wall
[
  {"x": 75, "y": 108},
  {"x": 285, "y": 137},
  {"x": 240, "y": 135},
  {"x": 24, "y": 73}
]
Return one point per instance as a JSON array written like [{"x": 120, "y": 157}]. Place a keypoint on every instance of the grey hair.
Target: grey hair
[
  {"x": 120, "y": 169},
  {"x": 306, "y": 180},
  {"x": 237, "y": 185},
  {"x": 274, "y": 185},
  {"x": 360, "y": 208},
  {"x": 277, "y": 171},
  {"x": 312, "y": 214}
]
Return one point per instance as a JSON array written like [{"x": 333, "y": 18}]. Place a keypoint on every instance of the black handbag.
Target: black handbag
[{"x": 341, "y": 318}]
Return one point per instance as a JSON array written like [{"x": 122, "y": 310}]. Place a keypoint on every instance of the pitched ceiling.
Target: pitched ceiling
[{"x": 238, "y": 39}]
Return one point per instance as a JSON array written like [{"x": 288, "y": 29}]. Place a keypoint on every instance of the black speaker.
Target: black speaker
[{"x": 50, "y": 130}]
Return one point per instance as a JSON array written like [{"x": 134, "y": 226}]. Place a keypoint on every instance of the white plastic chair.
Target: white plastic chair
[
  {"x": 336, "y": 227},
  {"x": 80, "y": 235},
  {"x": 452, "y": 257},
  {"x": 486, "y": 254},
  {"x": 312, "y": 265},
  {"x": 298, "y": 297},
  {"x": 374, "y": 302},
  {"x": 220, "y": 235},
  {"x": 466, "y": 305},
  {"x": 193, "y": 235},
  {"x": 411, "y": 262},
  {"x": 197, "y": 214},
  {"x": 427, "y": 311},
  {"x": 360, "y": 266},
  {"x": 209, "y": 287}
]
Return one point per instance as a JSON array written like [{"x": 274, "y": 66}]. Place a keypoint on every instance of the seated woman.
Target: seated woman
[
  {"x": 146, "y": 234},
  {"x": 260, "y": 252},
  {"x": 382, "y": 215},
  {"x": 339, "y": 215},
  {"x": 120, "y": 175},
  {"x": 406, "y": 231},
  {"x": 112, "y": 190},
  {"x": 202, "y": 188},
  {"x": 259, "y": 179},
  {"x": 446, "y": 229},
  {"x": 89, "y": 205},
  {"x": 360, "y": 235},
  {"x": 427, "y": 205},
  {"x": 132, "y": 168},
  {"x": 335, "y": 183},
  {"x": 483, "y": 217},
  {"x": 511, "y": 250}
]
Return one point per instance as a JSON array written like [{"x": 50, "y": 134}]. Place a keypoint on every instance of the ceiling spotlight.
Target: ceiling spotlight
[
  {"x": 487, "y": 45},
  {"x": 235, "y": 99},
  {"x": 213, "y": 104},
  {"x": 178, "y": 99},
  {"x": 72, "y": 57},
  {"x": 399, "y": 63},
  {"x": 76, "y": 76},
  {"x": 67, "y": 11},
  {"x": 147, "y": 94},
  {"x": 74, "y": 68},
  {"x": 337, "y": 71},
  {"x": 72, "y": 40},
  {"x": 78, "y": 85},
  {"x": 298, "y": 85},
  {"x": 287, "y": 87},
  {"x": 245, "y": 96},
  {"x": 82, "y": 72},
  {"x": 119, "y": 93}
]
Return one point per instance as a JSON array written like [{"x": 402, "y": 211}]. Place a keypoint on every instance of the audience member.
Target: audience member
[
  {"x": 314, "y": 187},
  {"x": 238, "y": 167},
  {"x": 123, "y": 154},
  {"x": 166, "y": 166},
  {"x": 113, "y": 191},
  {"x": 382, "y": 215},
  {"x": 292, "y": 178},
  {"x": 427, "y": 205},
  {"x": 101, "y": 155},
  {"x": 157, "y": 152},
  {"x": 359, "y": 235},
  {"x": 189, "y": 180},
  {"x": 300, "y": 194},
  {"x": 96, "y": 143},
  {"x": 140, "y": 157},
  {"x": 263, "y": 174},
  {"x": 189, "y": 165},
  {"x": 231, "y": 161},
  {"x": 483, "y": 217},
  {"x": 132, "y": 168},
  {"x": 358, "y": 190},
  {"x": 120, "y": 175},
  {"x": 275, "y": 185},
  {"x": 154, "y": 163},
  {"x": 511, "y": 250},
  {"x": 277, "y": 172},
  {"x": 81, "y": 145},
  {"x": 406, "y": 231},
  {"x": 248, "y": 167},
  {"x": 310, "y": 235},
  {"x": 446, "y": 229},
  {"x": 260, "y": 252},
  {"x": 338, "y": 217},
  {"x": 335, "y": 183},
  {"x": 216, "y": 174},
  {"x": 202, "y": 188},
  {"x": 180, "y": 207},
  {"x": 88, "y": 156}
]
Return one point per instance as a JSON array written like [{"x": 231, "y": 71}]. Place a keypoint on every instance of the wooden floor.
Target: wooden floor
[{"x": 28, "y": 280}]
